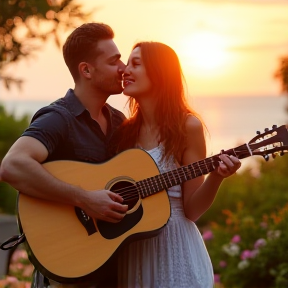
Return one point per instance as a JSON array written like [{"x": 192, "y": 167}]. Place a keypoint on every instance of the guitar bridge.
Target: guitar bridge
[{"x": 86, "y": 221}]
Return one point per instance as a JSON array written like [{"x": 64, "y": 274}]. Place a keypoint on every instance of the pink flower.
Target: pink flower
[
  {"x": 222, "y": 264},
  {"x": 263, "y": 225},
  {"x": 28, "y": 270},
  {"x": 13, "y": 282},
  {"x": 236, "y": 239},
  {"x": 18, "y": 255},
  {"x": 246, "y": 254},
  {"x": 216, "y": 278},
  {"x": 207, "y": 235},
  {"x": 259, "y": 243},
  {"x": 11, "y": 279}
]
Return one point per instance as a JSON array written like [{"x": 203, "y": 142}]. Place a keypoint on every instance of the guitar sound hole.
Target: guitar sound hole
[
  {"x": 130, "y": 195},
  {"x": 127, "y": 191}
]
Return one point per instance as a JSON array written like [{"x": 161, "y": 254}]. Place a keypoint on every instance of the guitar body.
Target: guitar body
[{"x": 62, "y": 245}]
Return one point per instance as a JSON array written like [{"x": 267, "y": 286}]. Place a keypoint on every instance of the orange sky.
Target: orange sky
[{"x": 227, "y": 47}]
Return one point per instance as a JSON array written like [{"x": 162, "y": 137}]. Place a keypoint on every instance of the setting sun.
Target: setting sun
[{"x": 204, "y": 51}]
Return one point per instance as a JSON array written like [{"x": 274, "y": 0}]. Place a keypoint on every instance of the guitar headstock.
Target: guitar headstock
[{"x": 271, "y": 142}]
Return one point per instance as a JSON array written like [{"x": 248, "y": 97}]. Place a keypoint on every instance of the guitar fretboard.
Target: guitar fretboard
[{"x": 152, "y": 185}]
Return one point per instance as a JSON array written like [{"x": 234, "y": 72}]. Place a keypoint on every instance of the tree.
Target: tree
[
  {"x": 26, "y": 24},
  {"x": 282, "y": 75}
]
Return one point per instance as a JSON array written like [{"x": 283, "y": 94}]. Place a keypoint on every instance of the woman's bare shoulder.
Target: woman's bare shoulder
[{"x": 193, "y": 124}]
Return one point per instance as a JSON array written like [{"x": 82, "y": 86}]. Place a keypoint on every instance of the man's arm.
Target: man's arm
[{"x": 22, "y": 169}]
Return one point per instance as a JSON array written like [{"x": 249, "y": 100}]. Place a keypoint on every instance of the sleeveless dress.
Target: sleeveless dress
[{"x": 177, "y": 257}]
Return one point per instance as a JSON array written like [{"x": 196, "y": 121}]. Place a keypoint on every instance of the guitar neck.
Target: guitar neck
[{"x": 152, "y": 185}]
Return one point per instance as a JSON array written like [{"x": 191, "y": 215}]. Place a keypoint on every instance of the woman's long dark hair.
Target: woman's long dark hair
[{"x": 164, "y": 71}]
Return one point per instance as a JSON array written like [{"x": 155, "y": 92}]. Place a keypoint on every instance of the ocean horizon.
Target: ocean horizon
[{"x": 231, "y": 121}]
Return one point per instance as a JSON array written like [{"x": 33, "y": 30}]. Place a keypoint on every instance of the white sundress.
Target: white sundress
[{"x": 177, "y": 257}]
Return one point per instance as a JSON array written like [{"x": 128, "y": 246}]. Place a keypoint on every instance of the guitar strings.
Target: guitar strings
[
  {"x": 151, "y": 185},
  {"x": 153, "y": 181}
]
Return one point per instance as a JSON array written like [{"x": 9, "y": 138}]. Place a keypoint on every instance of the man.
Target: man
[{"x": 76, "y": 127}]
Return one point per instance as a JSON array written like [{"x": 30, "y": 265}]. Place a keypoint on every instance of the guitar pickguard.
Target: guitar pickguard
[{"x": 113, "y": 230}]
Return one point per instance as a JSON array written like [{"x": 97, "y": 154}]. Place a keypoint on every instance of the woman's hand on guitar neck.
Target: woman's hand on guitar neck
[
  {"x": 103, "y": 205},
  {"x": 228, "y": 165}
]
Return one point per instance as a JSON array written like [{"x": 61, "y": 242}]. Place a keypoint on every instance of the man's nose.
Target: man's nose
[{"x": 121, "y": 68}]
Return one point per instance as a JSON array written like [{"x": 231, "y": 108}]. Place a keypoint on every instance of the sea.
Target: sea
[{"x": 230, "y": 121}]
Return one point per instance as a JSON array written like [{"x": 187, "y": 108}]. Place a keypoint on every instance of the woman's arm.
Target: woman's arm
[{"x": 199, "y": 193}]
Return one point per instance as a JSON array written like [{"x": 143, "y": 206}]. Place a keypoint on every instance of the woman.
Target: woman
[{"x": 172, "y": 133}]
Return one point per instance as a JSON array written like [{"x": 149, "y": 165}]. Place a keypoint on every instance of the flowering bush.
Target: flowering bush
[
  {"x": 20, "y": 271},
  {"x": 250, "y": 253}
]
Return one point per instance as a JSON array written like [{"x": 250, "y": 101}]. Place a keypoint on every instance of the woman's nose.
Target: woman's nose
[{"x": 127, "y": 70}]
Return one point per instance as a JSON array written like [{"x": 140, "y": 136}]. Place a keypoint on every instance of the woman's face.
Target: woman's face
[{"x": 136, "y": 82}]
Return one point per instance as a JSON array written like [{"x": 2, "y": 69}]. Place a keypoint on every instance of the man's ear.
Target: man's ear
[{"x": 83, "y": 68}]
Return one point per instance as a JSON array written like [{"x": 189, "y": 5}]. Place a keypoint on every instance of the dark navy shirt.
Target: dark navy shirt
[{"x": 68, "y": 132}]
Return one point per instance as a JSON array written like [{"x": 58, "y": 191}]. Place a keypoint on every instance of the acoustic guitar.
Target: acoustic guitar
[{"x": 68, "y": 246}]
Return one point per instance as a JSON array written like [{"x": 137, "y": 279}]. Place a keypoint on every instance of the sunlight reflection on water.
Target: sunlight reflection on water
[
  {"x": 231, "y": 121},
  {"x": 234, "y": 121}
]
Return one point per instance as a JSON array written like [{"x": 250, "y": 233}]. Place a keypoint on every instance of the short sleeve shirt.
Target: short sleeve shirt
[{"x": 68, "y": 132}]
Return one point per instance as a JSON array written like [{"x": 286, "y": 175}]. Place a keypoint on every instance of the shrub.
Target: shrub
[
  {"x": 261, "y": 193},
  {"x": 250, "y": 254},
  {"x": 20, "y": 271}
]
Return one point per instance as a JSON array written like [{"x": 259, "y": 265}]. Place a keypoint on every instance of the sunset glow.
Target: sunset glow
[
  {"x": 226, "y": 48},
  {"x": 204, "y": 51}
]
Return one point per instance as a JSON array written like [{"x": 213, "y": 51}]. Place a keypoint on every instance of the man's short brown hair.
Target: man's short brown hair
[{"x": 81, "y": 45}]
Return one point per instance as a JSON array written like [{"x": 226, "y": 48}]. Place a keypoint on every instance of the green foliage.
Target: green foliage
[
  {"x": 10, "y": 130},
  {"x": 8, "y": 199},
  {"x": 247, "y": 228},
  {"x": 24, "y": 21},
  {"x": 257, "y": 195}
]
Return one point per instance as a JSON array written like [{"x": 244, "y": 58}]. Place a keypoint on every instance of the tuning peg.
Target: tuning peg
[
  {"x": 274, "y": 126},
  {"x": 258, "y": 132},
  {"x": 282, "y": 153},
  {"x": 266, "y": 129},
  {"x": 266, "y": 157}
]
